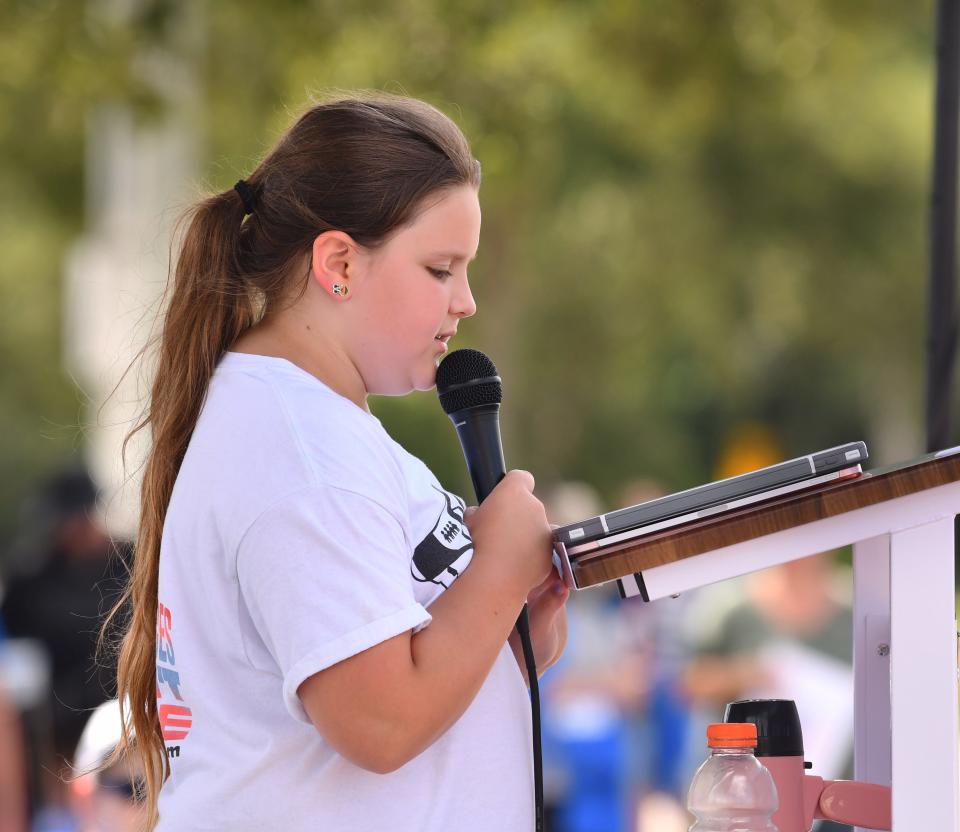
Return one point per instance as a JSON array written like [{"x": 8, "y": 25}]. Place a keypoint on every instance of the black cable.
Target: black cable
[{"x": 523, "y": 627}]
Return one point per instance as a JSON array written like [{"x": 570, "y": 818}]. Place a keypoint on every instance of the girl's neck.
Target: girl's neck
[{"x": 340, "y": 376}]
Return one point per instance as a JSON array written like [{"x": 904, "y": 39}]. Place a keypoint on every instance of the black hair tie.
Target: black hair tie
[{"x": 246, "y": 195}]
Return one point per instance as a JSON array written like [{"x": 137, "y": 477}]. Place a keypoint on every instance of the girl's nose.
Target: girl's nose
[{"x": 463, "y": 304}]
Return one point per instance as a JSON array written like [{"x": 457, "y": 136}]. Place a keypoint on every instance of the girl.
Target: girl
[{"x": 319, "y": 630}]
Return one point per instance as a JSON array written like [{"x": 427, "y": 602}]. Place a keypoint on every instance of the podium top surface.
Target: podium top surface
[{"x": 659, "y": 548}]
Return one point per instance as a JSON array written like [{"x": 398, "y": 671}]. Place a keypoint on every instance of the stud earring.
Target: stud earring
[{"x": 340, "y": 289}]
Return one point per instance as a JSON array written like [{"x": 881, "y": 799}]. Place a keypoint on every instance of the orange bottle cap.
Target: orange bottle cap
[{"x": 732, "y": 735}]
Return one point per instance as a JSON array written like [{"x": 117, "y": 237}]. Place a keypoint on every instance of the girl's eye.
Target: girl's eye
[{"x": 441, "y": 274}]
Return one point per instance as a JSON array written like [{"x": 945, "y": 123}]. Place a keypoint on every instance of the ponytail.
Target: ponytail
[{"x": 207, "y": 312}]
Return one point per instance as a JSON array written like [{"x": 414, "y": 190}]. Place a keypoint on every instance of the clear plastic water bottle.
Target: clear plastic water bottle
[{"x": 732, "y": 791}]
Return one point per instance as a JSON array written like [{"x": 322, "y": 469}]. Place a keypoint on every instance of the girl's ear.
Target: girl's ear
[{"x": 334, "y": 252}]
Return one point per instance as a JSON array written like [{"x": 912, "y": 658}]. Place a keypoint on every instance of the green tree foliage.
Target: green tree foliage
[{"x": 695, "y": 214}]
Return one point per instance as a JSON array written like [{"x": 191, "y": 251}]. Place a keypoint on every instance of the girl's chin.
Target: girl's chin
[
  {"x": 430, "y": 379},
  {"x": 420, "y": 375},
  {"x": 424, "y": 375},
  {"x": 427, "y": 382}
]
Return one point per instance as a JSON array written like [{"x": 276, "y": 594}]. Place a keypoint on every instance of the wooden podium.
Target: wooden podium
[{"x": 901, "y": 521}]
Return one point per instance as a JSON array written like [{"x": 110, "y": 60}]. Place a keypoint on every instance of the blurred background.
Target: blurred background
[{"x": 704, "y": 249}]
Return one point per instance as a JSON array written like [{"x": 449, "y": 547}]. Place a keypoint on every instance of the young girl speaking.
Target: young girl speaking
[{"x": 320, "y": 635}]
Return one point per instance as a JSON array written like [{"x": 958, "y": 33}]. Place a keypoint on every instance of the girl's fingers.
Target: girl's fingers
[
  {"x": 551, "y": 591},
  {"x": 541, "y": 588}
]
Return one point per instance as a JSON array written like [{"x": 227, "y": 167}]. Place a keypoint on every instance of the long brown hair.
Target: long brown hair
[{"x": 362, "y": 164}]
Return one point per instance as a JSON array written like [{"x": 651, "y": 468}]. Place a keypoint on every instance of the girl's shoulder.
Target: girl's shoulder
[{"x": 279, "y": 403}]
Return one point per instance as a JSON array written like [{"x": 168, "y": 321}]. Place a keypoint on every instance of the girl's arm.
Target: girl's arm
[{"x": 382, "y": 707}]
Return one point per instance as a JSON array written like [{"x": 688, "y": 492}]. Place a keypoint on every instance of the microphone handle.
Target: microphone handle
[{"x": 478, "y": 429}]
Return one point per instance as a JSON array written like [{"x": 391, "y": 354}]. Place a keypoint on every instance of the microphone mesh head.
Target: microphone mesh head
[{"x": 460, "y": 368}]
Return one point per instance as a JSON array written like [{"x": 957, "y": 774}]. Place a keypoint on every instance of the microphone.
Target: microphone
[{"x": 470, "y": 393}]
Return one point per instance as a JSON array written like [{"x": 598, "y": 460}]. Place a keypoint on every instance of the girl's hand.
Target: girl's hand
[
  {"x": 510, "y": 531},
  {"x": 546, "y": 607},
  {"x": 548, "y": 620}
]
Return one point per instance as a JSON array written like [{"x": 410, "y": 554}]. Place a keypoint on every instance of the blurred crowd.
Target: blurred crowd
[
  {"x": 624, "y": 711},
  {"x": 58, "y": 718}
]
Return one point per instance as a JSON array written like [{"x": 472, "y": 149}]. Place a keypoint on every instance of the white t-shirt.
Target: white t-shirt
[{"x": 299, "y": 534}]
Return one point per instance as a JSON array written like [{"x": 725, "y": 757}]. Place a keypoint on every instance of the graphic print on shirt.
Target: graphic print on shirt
[
  {"x": 445, "y": 552},
  {"x": 176, "y": 719}
]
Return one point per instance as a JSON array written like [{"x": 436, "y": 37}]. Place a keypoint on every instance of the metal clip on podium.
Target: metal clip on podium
[{"x": 901, "y": 521}]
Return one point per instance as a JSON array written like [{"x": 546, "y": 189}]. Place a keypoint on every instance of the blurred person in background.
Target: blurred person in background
[
  {"x": 105, "y": 799},
  {"x": 789, "y": 638},
  {"x": 58, "y": 591}
]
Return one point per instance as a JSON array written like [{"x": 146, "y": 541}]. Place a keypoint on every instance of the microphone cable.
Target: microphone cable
[{"x": 523, "y": 627}]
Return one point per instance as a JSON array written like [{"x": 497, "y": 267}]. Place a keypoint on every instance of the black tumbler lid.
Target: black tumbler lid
[{"x": 778, "y": 725}]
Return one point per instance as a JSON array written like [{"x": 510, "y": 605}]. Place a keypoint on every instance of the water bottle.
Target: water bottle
[{"x": 732, "y": 791}]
